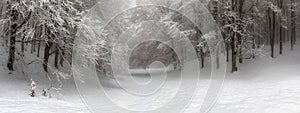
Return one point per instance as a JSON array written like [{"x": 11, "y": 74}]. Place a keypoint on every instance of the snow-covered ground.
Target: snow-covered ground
[
  {"x": 15, "y": 90},
  {"x": 264, "y": 85}
]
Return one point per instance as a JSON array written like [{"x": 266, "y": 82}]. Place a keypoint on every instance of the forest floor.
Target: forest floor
[
  {"x": 264, "y": 85},
  {"x": 15, "y": 91}
]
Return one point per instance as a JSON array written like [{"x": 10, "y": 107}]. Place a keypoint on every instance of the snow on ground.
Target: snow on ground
[
  {"x": 15, "y": 90},
  {"x": 264, "y": 85}
]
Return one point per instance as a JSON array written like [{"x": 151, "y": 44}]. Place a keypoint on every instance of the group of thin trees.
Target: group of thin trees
[
  {"x": 48, "y": 26},
  {"x": 248, "y": 25}
]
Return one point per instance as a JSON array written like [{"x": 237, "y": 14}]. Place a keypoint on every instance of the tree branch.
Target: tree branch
[{"x": 24, "y": 22}]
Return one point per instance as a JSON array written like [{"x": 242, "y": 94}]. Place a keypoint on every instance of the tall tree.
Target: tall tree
[
  {"x": 293, "y": 27},
  {"x": 233, "y": 37},
  {"x": 280, "y": 3},
  {"x": 239, "y": 27},
  {"x": 16, "y": 9}
]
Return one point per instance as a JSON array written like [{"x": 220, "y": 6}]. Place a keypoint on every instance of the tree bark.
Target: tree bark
[
  {"x": 271, "y": 29},
  {"x": 233, "y": 41},
  {"x": 273, "y": 35},
  {"x": 280, "y": 29},
  {"x": 293, "y": 32},
  {"x": 239, "y": 36},
  {"x": 215, "y": 15},
  {"x": 39, "y": 42},
  {"x": 202, "y": 57},
  {"x": 39, "y": 48},
  {"x": 12, "y": 50},
  {"x": 13, "y": 31},
  {"x": 233, "y": 52},
  {"x": 47, "y": 55},
  {"x": 56, "y": 57},
  {"x": 48, "y": 46},
  {"x": 61, "y": 62},
  {"x": 23, "y": 45}
]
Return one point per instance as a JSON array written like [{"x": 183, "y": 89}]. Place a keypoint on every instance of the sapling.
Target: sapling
[
  {"x": 44, "y": 92},
  {"x": 33, "y": 87}
]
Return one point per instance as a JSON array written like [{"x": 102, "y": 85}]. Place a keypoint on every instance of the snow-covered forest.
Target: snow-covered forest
[{"x": 111, "y": 56}]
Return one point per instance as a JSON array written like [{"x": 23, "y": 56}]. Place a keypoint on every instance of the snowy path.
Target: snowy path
[{"x": 263, "y": 85}]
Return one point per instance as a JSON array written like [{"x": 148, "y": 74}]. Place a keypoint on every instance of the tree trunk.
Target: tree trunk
[
  {"x": 1, "y": 9},
  {"x": 202, "y": 57},
  {"x": 233, "y": 53},
  {"x": 12, "y": 48},
  {"x": 273, "y": 35},
  {"x": 1, "y": 15},
  {"x": 271, "y": 30},
  {"x": 23, "y": 45},
  {"x": 62, "y": 58},
  {"x": 233, "y": 42},
  {"x": 253, "y": 47},
  {"x": 34, "y": 43},
  {"x": 61, "y": 62},
  {"x": 39, "y": 48},
  {"x": 41, "y": 28},
  {"x": 215, "y": 15},
  {"x": 218, "y": 59},
  {"x": 47, "y": 55},
  {"x": 56, "y": 57},
  {"x": 227, "y": 51},
  {"x": 293, "y": 32},
  {"x": 31, "y": 49},
  {"x": 280, "y": 29},
  {"x": 239, "y": 36}
]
